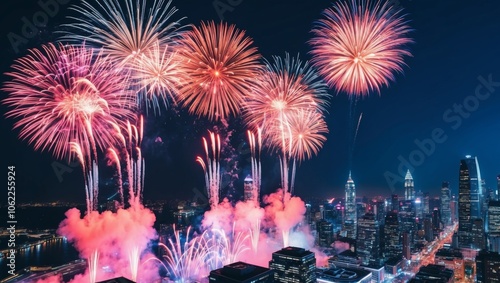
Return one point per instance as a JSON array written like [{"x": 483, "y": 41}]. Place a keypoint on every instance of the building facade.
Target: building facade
[
  {"x": 350, "y": 214},
  {"x": 293, "y": 265}
]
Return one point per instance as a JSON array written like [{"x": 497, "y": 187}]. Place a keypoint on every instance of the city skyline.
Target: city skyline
[{"x": 382, "y": 141}]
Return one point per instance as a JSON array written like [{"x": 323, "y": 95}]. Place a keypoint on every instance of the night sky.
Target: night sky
[{"x": 456, "y": 51}]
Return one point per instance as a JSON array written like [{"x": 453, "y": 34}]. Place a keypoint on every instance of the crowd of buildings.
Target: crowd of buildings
[{"x": 386, "y": 236}]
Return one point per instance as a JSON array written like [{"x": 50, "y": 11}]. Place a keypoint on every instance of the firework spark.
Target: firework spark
[
  {"x": 158, "y": 75},
  {"x": 307, "y": 134},
  {"x": 359, "y": 44},
  {"x": 212, "y": 168},
  {"x": 221, "y": 65},
  {"x": 125, "y": 31},
  {"x": 64, "y": 94}
]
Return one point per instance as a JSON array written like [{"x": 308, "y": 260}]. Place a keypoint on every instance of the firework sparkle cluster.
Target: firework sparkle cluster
[{"x": 83, "y": 98}]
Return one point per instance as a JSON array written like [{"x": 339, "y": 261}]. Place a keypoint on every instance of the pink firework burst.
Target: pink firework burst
[
  {"x": 307, "y": 134},
  {"x": 63, "y": 95},
  {"x": 158, "y": 75},
  {"x": 124, "y": 29},
  {"x": 221, "y": 65},
  {"x": 285, "y": 87},
  {"x": 359, "y": 44}
]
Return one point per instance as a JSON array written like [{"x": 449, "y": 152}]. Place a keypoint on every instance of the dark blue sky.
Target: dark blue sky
[{"x": 456, "y": 42}]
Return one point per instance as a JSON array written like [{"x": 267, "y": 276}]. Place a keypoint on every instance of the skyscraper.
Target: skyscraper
[
  {"x": 487, "y": 267},
  {"x": 248, "y": 189},
  {"x": 409, "y": 187},
  {"x": 392, "y": 236},
  {"x": 350, "y": 216},
  {"x": 368, "y": 240},
  {"x": 407, "y": 218},
  {"x": 445, "y": 204},
  {"x": 395, "y": 203},
  {"x": 494, "y": 226},
  {"x": 293, "y": 265},
  {"x": 325, "y": 233},
  {"x": 470, "y": 201}
]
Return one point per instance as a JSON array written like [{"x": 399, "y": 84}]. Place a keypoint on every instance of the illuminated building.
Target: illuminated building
[
  {"x": 407, "y": 220},
  {"x": 445, "y": 204},
  {"x": 325, "y": 233},
  {"x": 343, "y": 275},
  {"x": 488, "y": 267},
  {"x": 392, "y": 236},
  {"x": 248, "y": 189},
  {"x": 350, "y": 213},
  {"x": 395, "y": 203},
  {"x": 368, "y": 239},
  {"x": 470, "y": 202},
  {"x": 293, "y": 265},
  {"x": 241, "y": 272},
  {"x": 451, "y": 259},
  {"x": 409, "y": 187}
]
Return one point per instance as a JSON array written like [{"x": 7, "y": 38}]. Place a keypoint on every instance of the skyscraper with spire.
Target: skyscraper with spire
[
  {"x": 409, "y": 188},
  {"x": 350, "y": 215}
]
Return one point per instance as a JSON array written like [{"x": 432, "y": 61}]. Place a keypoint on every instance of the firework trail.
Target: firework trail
[
  {"x": 134, "y": 257},
  {"x": 284, "y": 88},
  {"x": 186, "y": 262},
  {"x": 212, "y": 168},
  {"x": 124, "y": 29},
  {"x": 255, "y": 149},
  {"x": 92, "y": 261},
  {"x": 359, "y": 44},
  {"x": 224, "y": 250},
  {"x": 158, "y": 76},
  {"x": 69, "y": 101},
  {"x": 221, "y": 66}
]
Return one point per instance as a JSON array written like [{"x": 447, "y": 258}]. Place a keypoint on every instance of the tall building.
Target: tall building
[
  {"x": 436, "y": 218},
  {"x": 470, "y": 201},
  {"x": 407, "y": 218},
  {"x": 325, "y": 233},
  {"x": 478, "y": 234},
  {"x": 494, "y": 226},
  {"x": 488, "y": 267},
  {"x": 406, "y": 245},
  {"x": 395, "y": 203},
  {"x": 293, "y": 265},
  {"x": 428, "y": 232},
  {"x": 445, "y": 204},
  {"x": 241, "y": 272},
  {"x": 392, "y": 236},
  {"x": 368, "y": 240},
  {"x": 454, "y": 208},
  {"x": 350, "y": 216},
  {"x": 409, "y": 187},
  {"x": 419, "y": 206},
  {"x": 426, "y": 203},
  {"x": 248, "y": 189}
]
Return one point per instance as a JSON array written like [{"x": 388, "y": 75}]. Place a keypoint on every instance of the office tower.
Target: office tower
[
  {"x": 407, "y": 220},
  {"x": 419, "y": 206},
  {"x": 494, "y": 226},
  {"x": 293, "y": 265},
  {"x": 436, "y": 218},
  {"x": 395, "y": 203},
  {"x": 368, "y": 239},
  {"x": 488, "y": 267},
  {"x": 470, "y": 200},
  {"x": 350, "y": 216},
  {"x": 433, "y": 273},
  {"x": 451, "y": 259},
  {"x": 478, "y": 234},
  {"x": 428, "y": 232},
  {"x": 343, "y": 275},
  {"x": 426, "y": 203},
  {"x": 325, "y": 233},
  {"x": 241, "y": 272},
  {"x": 409, "y": 188},
  {"x": 248, "y": 190},
  {"x": 406, "y": 245},
  {"x": 454, "y": 208},
  {"x": 392, "y": 236},
  {"x": 445, "y": 204}
]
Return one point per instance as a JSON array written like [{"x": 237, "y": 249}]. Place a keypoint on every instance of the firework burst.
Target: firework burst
[
  {"x": 124, "y": 29},
  {"x": 359, "y": 44},
  {"x": 307, "y": 134},
  {"x": 62, "y": 95},
  {"x": 158, "y": 75},
  {"x": 221, "y": 65}
]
